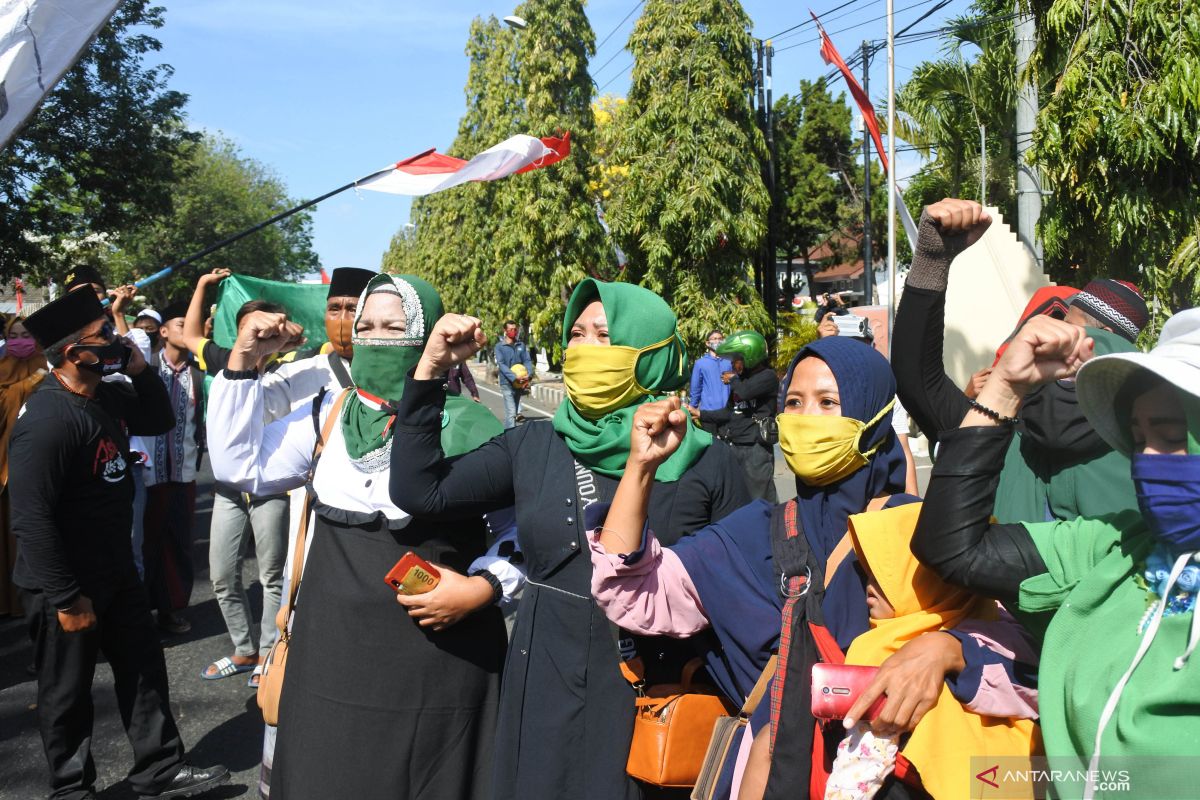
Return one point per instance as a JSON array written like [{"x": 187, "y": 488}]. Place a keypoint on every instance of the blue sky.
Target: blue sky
[{"x": 325, "y": 92}]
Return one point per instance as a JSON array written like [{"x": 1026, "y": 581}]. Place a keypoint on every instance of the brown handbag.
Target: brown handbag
[
  {"x": 270, "y": 684},
  {"x": 671, "y": 729},
  {"x": 724, "y": 734}
]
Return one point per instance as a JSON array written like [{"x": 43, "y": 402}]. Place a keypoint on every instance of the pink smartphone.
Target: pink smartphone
[{"x": 835, "y": 687}]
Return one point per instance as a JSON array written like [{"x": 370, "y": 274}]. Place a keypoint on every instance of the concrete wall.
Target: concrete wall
[{"x": 990, "y": 283}]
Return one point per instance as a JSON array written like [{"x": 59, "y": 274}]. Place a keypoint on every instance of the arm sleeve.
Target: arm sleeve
[
  {"x": 293, "y": 386},
  {"x": 647, "y": 592},
  {"x": 146, "y": 408},
  {"x": 138, "y": 338},
  {"x": 502, "y": 364},
  {"x": 526, "y": 360},
  {"x": 1000, "y": 677},
  {"x": 760, "y": 384},
  {"x": 921, "y": 380},
  {"x": 211, "y": 357},
  {"x": 697, "y": 385},
  {"x": 511, "y": 576},
  {"x": 427, "y": 484},
  {"x": 954, "y": 536},
  {"x": 42, "y": 447},
  {"x": 917, "y": 341},
  {"x": 249, "y": 454},
  {"x": 717, "y": 416}
]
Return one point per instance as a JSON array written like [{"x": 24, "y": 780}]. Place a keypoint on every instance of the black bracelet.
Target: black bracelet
[
  {"x": 490, "y": 577},
  {"x": 995, "y": 416}
]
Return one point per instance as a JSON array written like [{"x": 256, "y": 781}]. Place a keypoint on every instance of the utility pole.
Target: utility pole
[
  {"x": 1029, "y": 190},
  {"x": 771, "y": 296},
  {"x": 868, "y": 264},
  {"x": 983, "y": 165},
  {"x": 760, "y": 271}
]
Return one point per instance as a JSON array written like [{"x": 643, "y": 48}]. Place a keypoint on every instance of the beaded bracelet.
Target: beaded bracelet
[
  {"x": 995, "y": 416},
  {"x": 490, "y": 577}
]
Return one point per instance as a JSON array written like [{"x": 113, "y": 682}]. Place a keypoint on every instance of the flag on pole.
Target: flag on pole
[
  {"x": 432, "y": 172},
  {"x": 39, "y": 41},
  {"x": 870, "y": 119},
  {"x": 19, "y": 291}
]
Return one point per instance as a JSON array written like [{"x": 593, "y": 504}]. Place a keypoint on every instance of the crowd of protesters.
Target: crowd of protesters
[{"x": 1036, "y": 609}]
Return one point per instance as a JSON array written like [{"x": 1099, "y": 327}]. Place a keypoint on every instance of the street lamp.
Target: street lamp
[{"x": 515, "y": 22}]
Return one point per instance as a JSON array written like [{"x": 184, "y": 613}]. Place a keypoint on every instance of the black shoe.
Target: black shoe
[
  {"x": 191, "y": 781},
  {"x": 173, "y": 623}
]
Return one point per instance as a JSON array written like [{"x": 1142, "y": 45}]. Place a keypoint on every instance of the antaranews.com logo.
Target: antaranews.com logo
[{"x": 1124, "y": 777}]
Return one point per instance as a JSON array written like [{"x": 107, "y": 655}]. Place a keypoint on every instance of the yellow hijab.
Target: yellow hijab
[{"x": 951, "y": 744}]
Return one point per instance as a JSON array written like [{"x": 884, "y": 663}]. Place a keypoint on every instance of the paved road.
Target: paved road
[{"x": 219, "y": 720}]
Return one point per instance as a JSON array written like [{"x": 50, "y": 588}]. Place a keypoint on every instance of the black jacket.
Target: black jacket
[
  {"x": 566, "y": 714},
  {"x": 752, "y": 397}
]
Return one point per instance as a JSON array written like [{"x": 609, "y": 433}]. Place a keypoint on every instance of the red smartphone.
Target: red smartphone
[
  {"x": 413, "y": 575},
  {"x": 835, "y": 687}
]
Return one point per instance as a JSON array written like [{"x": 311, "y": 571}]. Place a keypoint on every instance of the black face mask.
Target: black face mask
[
  {"x": 154, "y": 338},
  {"x": 111, "y": 358}
]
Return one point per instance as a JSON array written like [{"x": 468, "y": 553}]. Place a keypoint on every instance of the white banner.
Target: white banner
[{"x": 39, "y": 41}]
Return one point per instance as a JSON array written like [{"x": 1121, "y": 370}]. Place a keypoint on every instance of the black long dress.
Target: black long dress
[
  {"x": 416, "y": 708},
  {"x": 566, "y": 714}
]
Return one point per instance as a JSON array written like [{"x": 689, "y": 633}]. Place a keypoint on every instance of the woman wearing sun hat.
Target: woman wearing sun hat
[{"x": 1113, "y": 598}]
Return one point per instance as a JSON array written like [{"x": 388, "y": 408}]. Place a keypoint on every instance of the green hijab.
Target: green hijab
[
  {"x": 637, "y": 318},
  {"x": 379, "y": 369}
]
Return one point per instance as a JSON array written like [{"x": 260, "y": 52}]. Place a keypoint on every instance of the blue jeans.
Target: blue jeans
[{"x": 512, "y": 404}]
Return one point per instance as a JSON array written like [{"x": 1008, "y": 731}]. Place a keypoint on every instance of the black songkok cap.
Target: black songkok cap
[
  {"x": 349, "y": 281},
  {"x": 83, "y": 275},
  {"x": 177, "y": 309},
  {"x": 60, "y": 318}
]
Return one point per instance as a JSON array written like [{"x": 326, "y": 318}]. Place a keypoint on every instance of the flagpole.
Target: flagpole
[
  {"x": 891, "y": 255},
  {"x": 212, "y": 248}
]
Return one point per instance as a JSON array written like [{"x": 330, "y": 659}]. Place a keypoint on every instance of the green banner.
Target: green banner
[{"x": 305, "y": 304}]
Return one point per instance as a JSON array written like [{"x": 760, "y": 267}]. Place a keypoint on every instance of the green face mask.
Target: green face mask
[{"x": 601, "y": 379}]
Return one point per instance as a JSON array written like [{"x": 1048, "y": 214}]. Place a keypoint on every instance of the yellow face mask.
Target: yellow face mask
[
  {"x": 823, "y": 449},
  {"x": 601, "y": 379}
]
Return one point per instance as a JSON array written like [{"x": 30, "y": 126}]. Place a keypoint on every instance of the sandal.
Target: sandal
[
  {"x": 255, "y": 677},
  {"x": 223, "y": 668}
]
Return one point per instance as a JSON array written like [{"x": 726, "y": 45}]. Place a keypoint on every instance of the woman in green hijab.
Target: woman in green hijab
[
  {"x": 566, "y": 713},
  {"x": 376, "y": 703}
]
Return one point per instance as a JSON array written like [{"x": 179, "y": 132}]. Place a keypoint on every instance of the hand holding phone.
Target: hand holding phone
[
  {"x": 835, "y": 687},
  {"x": 412, "y": 575}
]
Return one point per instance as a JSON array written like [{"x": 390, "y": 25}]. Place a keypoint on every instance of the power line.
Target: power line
[
  {"x": 606, "y": 63},
  {"x": 609, "y": 35},
  {"x": 850, "y": 28},
  {"x": 810, "y": 22},
  {"x": 614, "y": 77}
]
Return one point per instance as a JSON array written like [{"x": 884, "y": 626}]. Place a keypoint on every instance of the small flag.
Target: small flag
[
  {"x": 19, "y": 290},
  {"x": 432, "y": 172},
  {"x": 832, "y": 56},
  {"x": 324, "y": 275}
]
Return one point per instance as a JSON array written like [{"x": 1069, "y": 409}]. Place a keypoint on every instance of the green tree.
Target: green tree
[
  {"x": 99, "y": 156},
  {"x": 945, "y": 102},
  {"x": 453, "y": 241},
  {"x": 1118, "y": 140},
  {"x": 812, "y": 135},
  {"x": 691, "y": 215},
  {"x": 220, "y": 193},
  {"x": 551, "y": 238}
]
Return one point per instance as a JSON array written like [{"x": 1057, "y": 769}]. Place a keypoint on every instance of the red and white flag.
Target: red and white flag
[
  {"x": 833, "y": 57},
  {"x": 432, "y": 172}
]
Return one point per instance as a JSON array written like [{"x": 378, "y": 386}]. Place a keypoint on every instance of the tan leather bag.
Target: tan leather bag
[
  {"x": 724, "y": 733},
  {"x": 671, "y": 730},
  {"x": 270, "y": 685}
]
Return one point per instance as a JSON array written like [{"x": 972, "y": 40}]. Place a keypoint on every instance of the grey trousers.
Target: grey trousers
[{"x": 233, "y": 521}]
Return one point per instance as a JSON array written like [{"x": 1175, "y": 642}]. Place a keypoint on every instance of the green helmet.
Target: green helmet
[{"x": 750, "y": 345}]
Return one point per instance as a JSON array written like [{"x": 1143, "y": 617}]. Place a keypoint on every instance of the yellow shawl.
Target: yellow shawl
[{"x": 950, "y": 744}]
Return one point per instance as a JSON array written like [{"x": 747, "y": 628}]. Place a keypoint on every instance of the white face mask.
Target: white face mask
[{"x": 714, "y": 344}]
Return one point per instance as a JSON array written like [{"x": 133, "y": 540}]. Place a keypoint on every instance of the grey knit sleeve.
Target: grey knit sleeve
[{"x": 933, "y": 254}]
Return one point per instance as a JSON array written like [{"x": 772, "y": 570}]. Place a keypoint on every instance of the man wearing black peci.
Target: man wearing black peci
[{"x": 72, "y": 508}]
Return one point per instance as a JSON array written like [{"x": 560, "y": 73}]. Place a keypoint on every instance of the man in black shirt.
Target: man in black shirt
[{"x": 72, "y": 509}]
